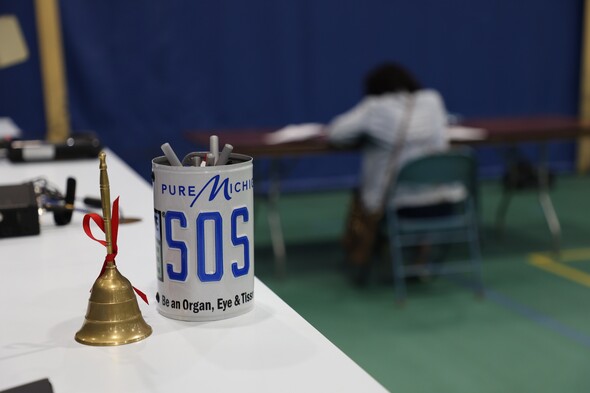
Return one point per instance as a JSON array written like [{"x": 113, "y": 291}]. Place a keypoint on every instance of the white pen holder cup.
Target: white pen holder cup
[{"x": 204, "y": 222}]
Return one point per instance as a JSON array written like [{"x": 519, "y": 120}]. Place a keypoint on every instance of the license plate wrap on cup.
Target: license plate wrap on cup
[{"x": 204, "y": 223}]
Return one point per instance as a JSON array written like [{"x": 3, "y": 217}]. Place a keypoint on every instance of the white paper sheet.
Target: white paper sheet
[
  {"x": 8, "y": 129},
  {"x": 461, "y": 133},
  {"x": 295, "y": 132}
]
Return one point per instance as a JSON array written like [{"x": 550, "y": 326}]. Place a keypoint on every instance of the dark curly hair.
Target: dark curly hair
[{"x": 390, "y": 78}]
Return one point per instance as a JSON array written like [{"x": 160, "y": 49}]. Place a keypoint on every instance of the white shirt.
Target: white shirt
[{"x": 379, "y": 120}]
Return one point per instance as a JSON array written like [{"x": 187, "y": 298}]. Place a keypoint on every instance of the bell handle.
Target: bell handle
[{"x": 105, "y": 198}]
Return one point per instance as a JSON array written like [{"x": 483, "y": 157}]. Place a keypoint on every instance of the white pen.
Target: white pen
[
  {"x": 196, "y": 161},
  {"x": 170, "y": 155},
  {"x": 224, "y": 155},
  {"x": 214, "y": 148},
  {"x": 210, "y": 159}
]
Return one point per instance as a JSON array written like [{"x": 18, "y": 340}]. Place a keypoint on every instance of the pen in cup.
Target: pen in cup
[
  {"x": 170, "y": 155},
  {"x": 212, "y": 158},
  {"x": 224, "y": 155},
  {"x": 192, "y": 159},
  {"x": 214, "y": 148}
]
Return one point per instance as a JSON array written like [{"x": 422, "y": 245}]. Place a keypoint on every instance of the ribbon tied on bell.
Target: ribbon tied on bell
[{"x": 110, "y": 257}]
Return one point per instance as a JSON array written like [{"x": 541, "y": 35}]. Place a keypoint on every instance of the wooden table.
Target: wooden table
[
  {"x": 513, "y": 130},
  {"x": 510, "y": 130},
  {"x": 492, "y": 131}
]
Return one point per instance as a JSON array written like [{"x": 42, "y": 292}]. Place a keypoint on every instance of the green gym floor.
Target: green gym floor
[{"x": 530, "y": 333}]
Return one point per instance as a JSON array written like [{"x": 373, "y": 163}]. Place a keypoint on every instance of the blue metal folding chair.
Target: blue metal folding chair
[{"x": 451, "y": 177}]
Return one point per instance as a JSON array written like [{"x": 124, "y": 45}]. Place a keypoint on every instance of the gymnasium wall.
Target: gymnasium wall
[{"x": 141, "y": 73}]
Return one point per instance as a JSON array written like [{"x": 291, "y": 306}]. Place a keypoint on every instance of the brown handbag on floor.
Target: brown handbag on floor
[
  {"x": 362, "y": 226},
  {"x": 360, "y": 233}
]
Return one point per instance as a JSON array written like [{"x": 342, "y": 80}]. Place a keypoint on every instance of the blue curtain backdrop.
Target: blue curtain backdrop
[{"x": 141, "y": 73}]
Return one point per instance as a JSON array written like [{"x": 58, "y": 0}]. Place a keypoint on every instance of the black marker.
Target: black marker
[{"x": 81, "y": 146}]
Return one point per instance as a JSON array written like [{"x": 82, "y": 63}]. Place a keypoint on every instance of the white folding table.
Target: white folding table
[{"x": 44, "y": 290}]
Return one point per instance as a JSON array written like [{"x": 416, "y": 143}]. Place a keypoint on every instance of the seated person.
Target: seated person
[
  {"x": 376, "y": 120},
  {"x": 396, "y": 113}
]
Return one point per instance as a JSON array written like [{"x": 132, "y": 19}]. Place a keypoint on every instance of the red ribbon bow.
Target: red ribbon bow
[{"x": 114, "y": 230}]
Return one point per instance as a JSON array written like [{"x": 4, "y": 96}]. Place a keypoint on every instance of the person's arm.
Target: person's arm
[{"x": 349, "y": 127}]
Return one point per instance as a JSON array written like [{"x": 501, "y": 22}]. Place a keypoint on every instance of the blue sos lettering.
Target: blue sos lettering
[{"x": 239, "y": 214}]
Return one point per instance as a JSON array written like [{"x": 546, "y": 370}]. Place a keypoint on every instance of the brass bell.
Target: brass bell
[{"x": 113, "y": 316}]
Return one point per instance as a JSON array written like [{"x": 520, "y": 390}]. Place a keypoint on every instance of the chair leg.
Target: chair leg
[
  {"x": 475, "y": 251},
  {"x": 552, "y": 220},
  {"x": 502, "y": 209},
  {"x": 398, "y": 271},
  {"x": 274, "y": 222}
]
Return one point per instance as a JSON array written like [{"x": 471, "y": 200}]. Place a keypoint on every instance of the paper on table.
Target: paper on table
[
  {"x": 295, "y": 132},
  {"x": 8, "y": 129},
  {"x": 461, "y": 133}
]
